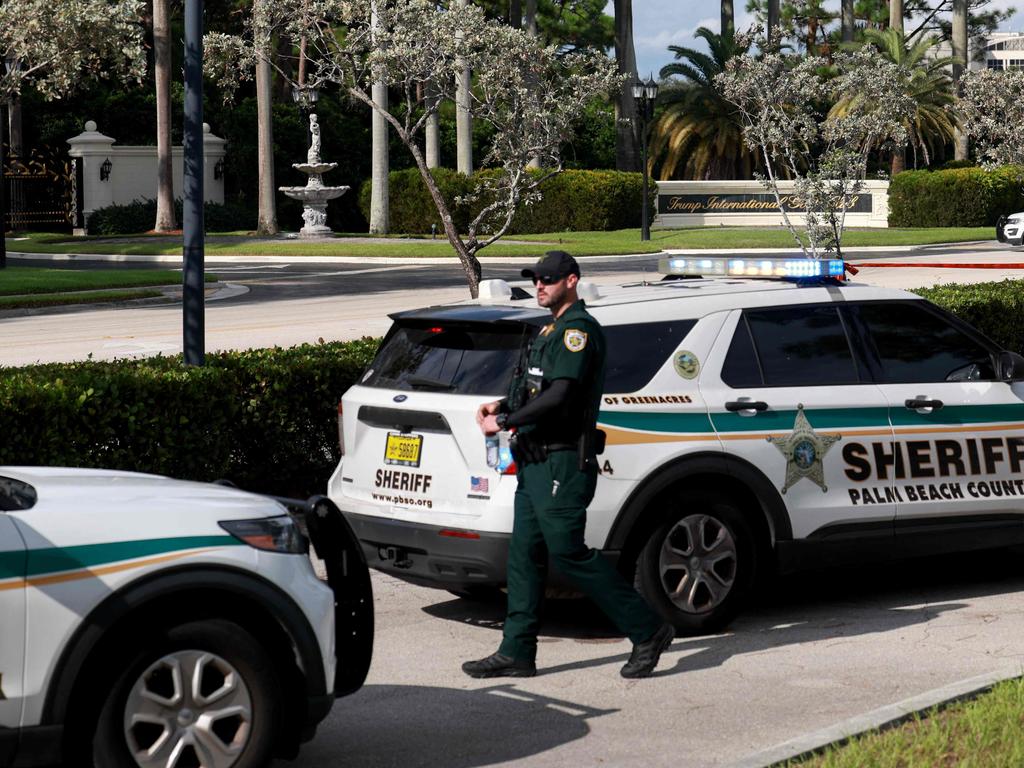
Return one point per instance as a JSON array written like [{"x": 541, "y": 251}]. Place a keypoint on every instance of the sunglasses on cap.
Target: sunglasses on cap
[{"x": 547, "y": 279}]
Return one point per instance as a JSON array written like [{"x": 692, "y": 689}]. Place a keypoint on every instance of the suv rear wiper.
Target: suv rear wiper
[{"x": 424, "y": 381}]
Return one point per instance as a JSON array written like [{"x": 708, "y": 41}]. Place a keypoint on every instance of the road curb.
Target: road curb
[{"x": 883, "y": 717}]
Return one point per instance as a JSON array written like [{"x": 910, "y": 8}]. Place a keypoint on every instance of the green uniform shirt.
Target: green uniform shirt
[{"x": 572, "y": 347}]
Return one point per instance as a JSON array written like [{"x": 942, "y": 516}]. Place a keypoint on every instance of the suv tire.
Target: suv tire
[
  {"x": 206, "y": 682},
  {"x": 697, "y": 565}
]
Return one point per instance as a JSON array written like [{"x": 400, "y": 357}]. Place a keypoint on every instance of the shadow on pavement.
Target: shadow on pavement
[
  {"x": 409, "y": 726},
  {"x": 795, "y": 609}
]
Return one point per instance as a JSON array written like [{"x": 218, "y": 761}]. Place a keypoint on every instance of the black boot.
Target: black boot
[
  {"x": 645, "y": 655},
  {"x": 500, "y": 665}
]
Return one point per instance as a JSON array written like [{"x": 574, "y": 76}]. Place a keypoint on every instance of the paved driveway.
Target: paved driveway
[{"x": 814, "y": 650}]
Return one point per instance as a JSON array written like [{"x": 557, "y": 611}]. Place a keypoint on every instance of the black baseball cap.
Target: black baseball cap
[{"x": 557, "y": 264}]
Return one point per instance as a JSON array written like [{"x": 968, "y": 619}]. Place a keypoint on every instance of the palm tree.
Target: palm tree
[
  {"x": 728, "y": 17},
  {"x": 165, "y": 218},
  {"x": 959, "y": 40},
  {"x": 627, "y": 138},
  {"x": 698, "y": 134},
  {"x": 929, "y": 84}
]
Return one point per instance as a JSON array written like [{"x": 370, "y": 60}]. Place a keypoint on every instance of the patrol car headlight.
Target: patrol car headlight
[
  {"x": 271, "y": 534},
  {"x": 1014, "y": 220}
]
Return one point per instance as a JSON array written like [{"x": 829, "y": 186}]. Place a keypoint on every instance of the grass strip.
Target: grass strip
[
  {"x": 61, "y": 299},
  {"x": 618, "y": 242},
  {"x": 32, "y": 280},
  {"x": 984, "y": 732}
]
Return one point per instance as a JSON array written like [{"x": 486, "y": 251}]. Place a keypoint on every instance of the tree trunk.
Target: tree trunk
[
  {"x": 896, "y": 15},
  {"x": 432, "y": 130},
  {"x": 165, "y": 218},
  {"x": 728, "y": 18},
  {"x": 960, "y": 143},
  {"x": 463, "y": 116},
  {"x": 773, "y": 18},
  {"x": 380, "y": 214},
  {"x": 847, "y": 21},
  {"x": 380, "y": 165},
  {"x": 531, "y": 17},
  {"x": 627, "y": 129},
  {"x": 899, "y": 161},
  {"x": 267, "y": 221},
  {"x": 515, "y": 13}
]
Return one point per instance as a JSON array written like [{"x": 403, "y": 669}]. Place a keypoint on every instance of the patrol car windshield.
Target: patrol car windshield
[{"x": 463, "y": 359}]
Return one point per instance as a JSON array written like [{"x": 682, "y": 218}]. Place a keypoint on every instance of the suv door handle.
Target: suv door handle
[
  {"x": 919, "y": 402},
  {"x": 746, "y": 405}
]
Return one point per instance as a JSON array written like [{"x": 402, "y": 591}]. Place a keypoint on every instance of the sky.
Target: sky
[{"x": 658, "y": 24}]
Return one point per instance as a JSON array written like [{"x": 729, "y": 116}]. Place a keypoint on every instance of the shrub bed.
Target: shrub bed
[
  {"x": 573, "y": 201},
  {"x": 959, "y": 197},
  {"x": 139, "y": 216},
  {"x": 995, "y": 309},
  {"x": 262, "y": 418}
]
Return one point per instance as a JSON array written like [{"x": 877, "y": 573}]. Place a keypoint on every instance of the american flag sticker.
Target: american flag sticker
[{"x": 479, "y": 485}]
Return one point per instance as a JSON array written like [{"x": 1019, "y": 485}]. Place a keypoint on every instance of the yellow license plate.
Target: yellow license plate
[{"x": 403, "y": 450}]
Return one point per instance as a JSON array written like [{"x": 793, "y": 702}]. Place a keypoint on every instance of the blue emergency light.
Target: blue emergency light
[{"x": 785, "y": 268}]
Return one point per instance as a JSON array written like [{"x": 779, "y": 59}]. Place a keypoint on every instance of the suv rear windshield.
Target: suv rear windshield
[{"x": 464, "y": 359}]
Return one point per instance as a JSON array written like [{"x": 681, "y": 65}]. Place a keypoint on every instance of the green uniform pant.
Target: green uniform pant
[{"x": 550, "y": 517}]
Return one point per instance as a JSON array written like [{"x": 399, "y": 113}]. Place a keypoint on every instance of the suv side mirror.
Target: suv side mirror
[{"x": 1010, "y": 366}]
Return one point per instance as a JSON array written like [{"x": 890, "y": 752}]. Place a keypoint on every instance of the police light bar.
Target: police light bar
[{"x": 770, "y": 266}]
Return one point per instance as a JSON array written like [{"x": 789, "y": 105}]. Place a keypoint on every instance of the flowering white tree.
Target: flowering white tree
[
  {"x": 527, "y": 94},
  {"x": 781, "y": 100},
  {"x": 991, "y": 111},
  {"x": 58, "y": 43}
]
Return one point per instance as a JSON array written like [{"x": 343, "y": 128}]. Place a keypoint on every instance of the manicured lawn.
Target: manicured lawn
[
  {"x": 62, "y": 299},
  {"x": 37, "y": 280},
  {"x": 986, "y": 732},
  {"x": 625, "y": 241}
]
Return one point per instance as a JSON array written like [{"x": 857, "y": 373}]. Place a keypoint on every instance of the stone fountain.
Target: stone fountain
[{"x": 314, "y": 195}]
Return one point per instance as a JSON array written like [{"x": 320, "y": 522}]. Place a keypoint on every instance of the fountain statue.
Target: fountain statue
[{"x": 314, "y": 195}]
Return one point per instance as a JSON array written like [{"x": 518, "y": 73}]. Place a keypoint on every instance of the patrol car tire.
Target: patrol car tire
[
  {"x": 217, "y": 653},
  {"x": 697, "y": 566}
]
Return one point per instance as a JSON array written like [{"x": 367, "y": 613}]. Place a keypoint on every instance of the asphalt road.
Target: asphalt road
[
  {"x": 298, "y": 302},
  {"x": 814, "y": 650},
  {"x": 298, "y": 279}
]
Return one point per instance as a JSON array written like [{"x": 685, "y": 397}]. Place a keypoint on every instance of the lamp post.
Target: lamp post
[
  {"x": 10, "y": 65},
  {"x": 644, "y": 96}
]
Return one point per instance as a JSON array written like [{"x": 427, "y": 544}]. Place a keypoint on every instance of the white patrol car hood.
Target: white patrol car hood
[{"x": 112, "y": 493}]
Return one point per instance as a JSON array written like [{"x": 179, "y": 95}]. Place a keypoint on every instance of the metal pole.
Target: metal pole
[
  {"x": 645, "y": 227},
  {"x": 3, "y": 205},
  {"x": 194, "y": 325}
]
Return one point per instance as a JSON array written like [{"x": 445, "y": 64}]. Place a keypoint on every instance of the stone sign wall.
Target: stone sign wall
[{"x": 747, "y": 203}]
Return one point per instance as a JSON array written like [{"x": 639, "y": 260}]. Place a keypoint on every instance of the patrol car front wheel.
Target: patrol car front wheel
[
  {"x": 697, "y": 566},
  {"x": 202, "y": 694}
]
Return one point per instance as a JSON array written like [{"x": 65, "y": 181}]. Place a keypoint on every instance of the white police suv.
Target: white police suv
[
  {"x": 152, "y": 622},
  {"x": 751, "y": 424}
]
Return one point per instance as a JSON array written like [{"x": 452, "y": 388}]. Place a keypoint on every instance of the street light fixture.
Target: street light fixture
[
  {"x": 644, "y": 96},
  {"x": 105, "y": 168}
]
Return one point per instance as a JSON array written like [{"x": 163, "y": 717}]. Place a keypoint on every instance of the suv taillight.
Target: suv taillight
[{"x": 341, "y": 429}]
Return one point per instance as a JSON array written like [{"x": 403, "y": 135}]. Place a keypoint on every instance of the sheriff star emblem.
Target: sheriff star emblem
[{"x": 804, "y": 450}]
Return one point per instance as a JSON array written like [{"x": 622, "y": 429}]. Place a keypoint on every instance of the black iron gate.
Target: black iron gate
[{"x": 42, "y": 191}]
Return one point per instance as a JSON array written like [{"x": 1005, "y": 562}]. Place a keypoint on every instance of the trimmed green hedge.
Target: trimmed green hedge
[
  {"x": 959, "y": 197},
  {"x": 574, "y": 201},
  {"x": 995, "y": 309},
  {"x": 264, "y": 419},
  {"x": 139, "y": 216}
]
